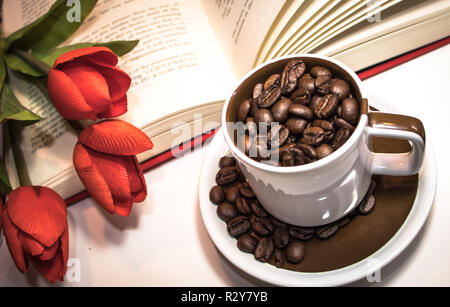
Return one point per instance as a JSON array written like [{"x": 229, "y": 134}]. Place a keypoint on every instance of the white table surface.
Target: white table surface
[{"x": 164, "y": 241}]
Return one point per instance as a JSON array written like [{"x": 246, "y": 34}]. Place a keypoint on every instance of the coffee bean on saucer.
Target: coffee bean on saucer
[
  {"x": 295, "y": 252},
  {"x": 258, "y": 209},
  {"x": 327, "y": 231},
  {"x": 367, "y": 205},
  {"x": 243, "y": 206},
  {"x": 238, "y": 226},
  {"x": 280, "y": 237},
  {"x": 301, "y": 233},
  {"x": 217, "y": 195},
  {"x": 247, "y": 243},
  {"x": 278, "y": 258},
  {"x": 247, "y": 192},
  {"x": 226, "y": 211},
  {"x": 227, "y": 162},
  {"x": 232, "y": 194},
  {"x": 264, "y": 249},
  {"x": 261, "y": 225},
  {"x": 227, "y": 175}
]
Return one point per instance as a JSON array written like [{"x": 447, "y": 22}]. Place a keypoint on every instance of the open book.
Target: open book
[{"x": 192, "y": 52}]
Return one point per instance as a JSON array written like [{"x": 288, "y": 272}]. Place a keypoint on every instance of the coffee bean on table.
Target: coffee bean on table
[
  {"x": 247, "y": 243},
  {"x": 226, "y": 211},
  {"x": 217, "y": 194},
  {"x": 264, "y": 249},
  {"x": 295, "y": 252},
  {"x": 238, "y": 226}
]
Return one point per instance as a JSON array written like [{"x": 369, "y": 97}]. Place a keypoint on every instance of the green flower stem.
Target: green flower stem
[{"x": 32, "y": 60}]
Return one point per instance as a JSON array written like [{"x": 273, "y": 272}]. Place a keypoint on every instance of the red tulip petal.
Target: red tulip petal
[
  {"x": 50, "y": 253},
  {"x": 67, "y": 98},
  {"x": 31, "y": 247},
  {"x": 137, "y": 181},
  {"x": 118, "y": 81},
  {"x": 114, "y": 172},
  {"x": 98, "y": 54},
  {"x": 115, "y": 137},
  {"x": 39, "y": 212},
  {"x": 117, "y": 108},
  {"x": 65, "y": 246},
  {"x": 52, "y": 269},
  {"x": 92, "y": 178},
  {"x": 13, "y": 241},
  {"x": 91, "y": 84},
  {"x": 123, "y": 208}
]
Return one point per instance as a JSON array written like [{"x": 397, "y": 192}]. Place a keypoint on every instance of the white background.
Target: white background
[{"x": 164, "y": 241}]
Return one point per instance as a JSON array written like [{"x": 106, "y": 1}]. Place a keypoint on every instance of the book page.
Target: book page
[
  {"x": 241, "y": 26},
  {"x": 177, "y": 65}
]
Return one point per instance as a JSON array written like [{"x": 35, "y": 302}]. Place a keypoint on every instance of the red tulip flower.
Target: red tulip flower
[
  {"x": 105, "y": 160},
  {"x": 86, "y": 84},
  {"x": 36, "y": 231}
]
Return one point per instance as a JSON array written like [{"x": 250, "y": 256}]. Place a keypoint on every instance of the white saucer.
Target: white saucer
[{"x": 269, "y": 273}]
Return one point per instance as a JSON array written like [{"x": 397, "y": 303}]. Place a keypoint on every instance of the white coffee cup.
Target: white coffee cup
[{"x": 326, "y": 190}]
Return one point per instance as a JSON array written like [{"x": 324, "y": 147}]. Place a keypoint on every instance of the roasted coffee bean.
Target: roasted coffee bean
[
  {"x": 272, "y": 80},
  {"x": 269, "y": 96},
  {"x": 314, "y": 101},
  {"x": 323, "y": 84},
  {"x": 288, "y": 159},
  {"x": 226, "y": 211},
  {"x": 295, "y": 125},
  {"x": 261, "y": 225},
  {"x": 301, "y": 111},
  {"x": 350, "y": 110},
  {"x": 340, "y": 88},
  {"x": 264, "y": 249},
  {"x": 247, "y": 243},
  {"x": 243, "y": 206},
  {"x": 238, "y": 226},
  {"x": 341, "y": 123},
  {"x": 251, "y": 128},
  {"x": 280, "y": 110},
  {"x": 313, "y": 136},
  {"x": 277, "y": 223},
  {"x": 247, "y": 192},
  {"x": 243, "y": 110},
  {"x": 301, "y": 96},
  {"x": 367, "y": 205},
  {"x": 278, "y": 258},
  {"x": 280, "y": 237},
  {"x": 341, "y": 137},
  {"x": 344, "y": 221},
  {"x": 326, "y": 107},
  {"x": 253, "y": 107},
  {"x": 258, "y": 209},
  {"x": 295, "y": 252},
  {"x": 325, "y": 232},
  {"x": 227, "y": 175},
  {"x": 301, "y": 233},
  {"x": 257, "y": 90},
  {"x": 324, "y": 150},
  {"x": 308, "y": 150},
  {"x": 217, "y": 194},
  {"x": 232, "y": 194},
  {"x": 277, "y": 136},
  {"x": 226, "y": 162},
  {"x": 263, "y": 116},
  {"x": 324, "y": 124},
  {"x": 291, "y": 72},
  {"x": 307, "y": 83},
  {"x": 318, "y": 71}
]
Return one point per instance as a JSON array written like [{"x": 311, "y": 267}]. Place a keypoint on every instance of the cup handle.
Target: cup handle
[{"x": 399, "y": 127}]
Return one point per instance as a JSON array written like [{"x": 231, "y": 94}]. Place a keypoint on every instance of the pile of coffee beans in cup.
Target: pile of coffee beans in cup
[
  {"x": 259, "y": 233},
  {"x": 297, "y": 116}
]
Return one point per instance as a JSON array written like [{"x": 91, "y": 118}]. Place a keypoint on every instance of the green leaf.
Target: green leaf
[
  {"x": 120, "y": 48},
  {"x": 12, "y": 109},
  {"x": 52, "y": 29},
  {"x": 2, "y": 73},
  {"x": 15, "y": 62},
  {"x": 5, "y": 185}
]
